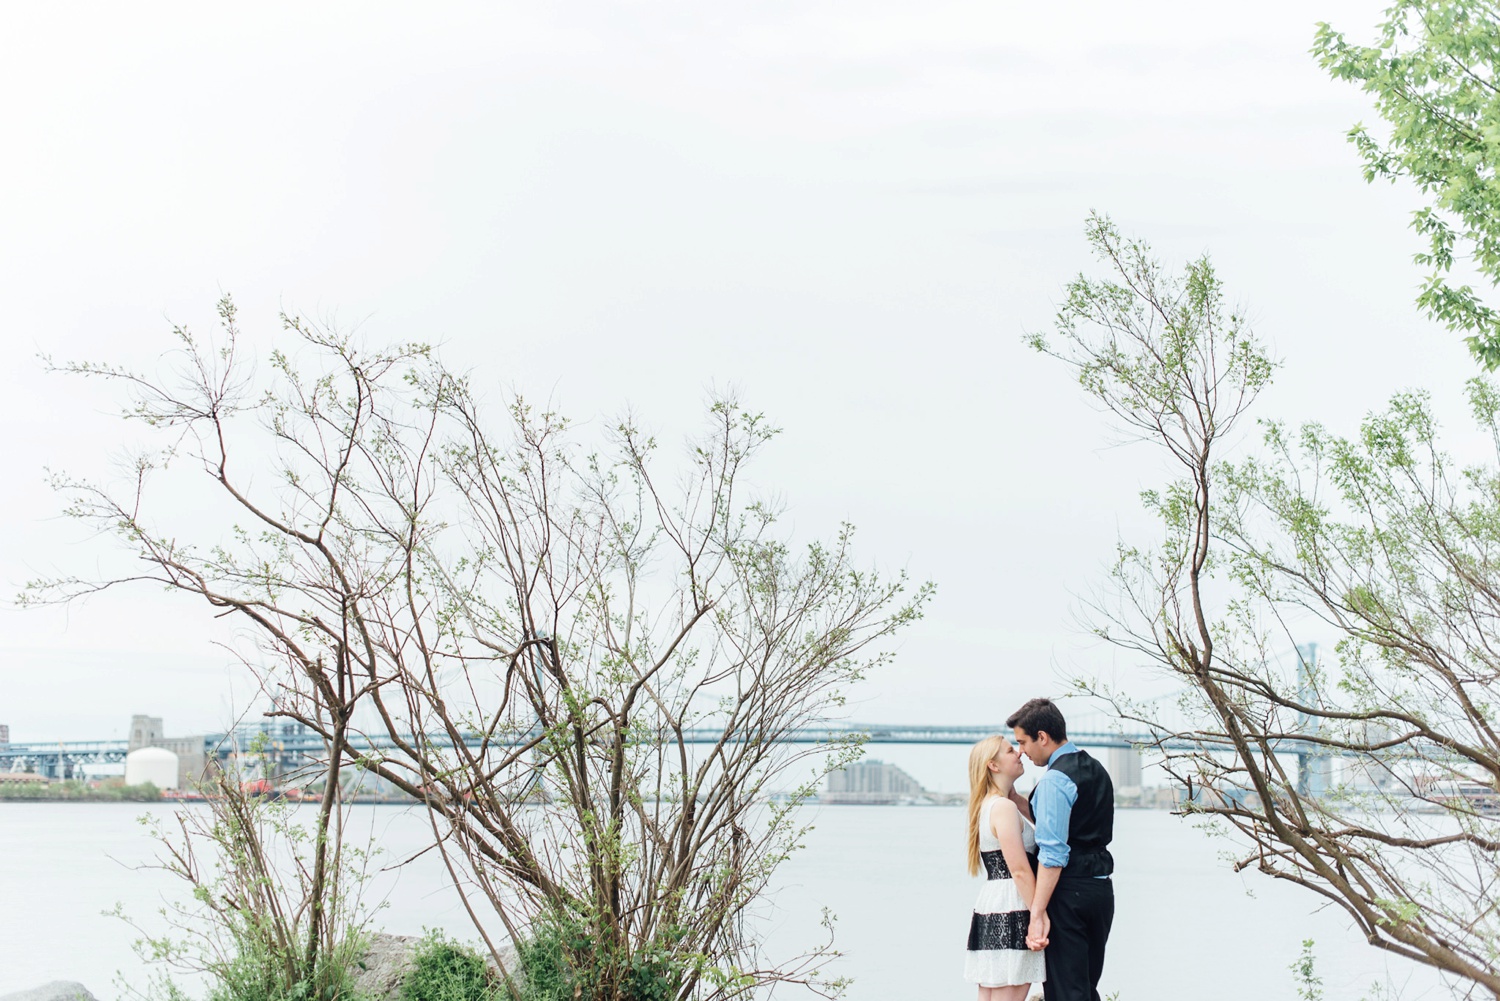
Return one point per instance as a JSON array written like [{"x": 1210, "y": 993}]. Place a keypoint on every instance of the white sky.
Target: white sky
[{"x": 850, "y": 211}]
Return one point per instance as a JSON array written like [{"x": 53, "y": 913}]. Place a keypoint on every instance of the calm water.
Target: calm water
[{"x": 1186, "y": 926}]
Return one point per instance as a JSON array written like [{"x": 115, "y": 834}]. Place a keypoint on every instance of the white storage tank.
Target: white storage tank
[{"x": 156, "y": 765}]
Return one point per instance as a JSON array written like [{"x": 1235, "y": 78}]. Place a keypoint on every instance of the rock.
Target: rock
[
  {"x": 57, "y": 990},
  {"x": 384, "y": 967},
  {"x": 380, "y": 972}
]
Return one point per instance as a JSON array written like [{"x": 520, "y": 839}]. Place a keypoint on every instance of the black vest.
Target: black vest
[{"x": 1091, "y": 824}]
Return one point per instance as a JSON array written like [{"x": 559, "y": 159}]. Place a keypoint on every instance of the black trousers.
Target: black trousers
[{"x": 1082, "y": 910}]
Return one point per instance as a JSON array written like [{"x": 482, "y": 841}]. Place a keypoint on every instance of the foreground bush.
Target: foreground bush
[
  {"x": 565, "y": 960},
  {"x": 561, "y": 961},
  {"x": 274, "y": 911},
  {"x": 444, "y": 970}
]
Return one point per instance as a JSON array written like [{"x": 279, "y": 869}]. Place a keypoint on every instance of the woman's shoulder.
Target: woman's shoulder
[{"x": 1003, "y": 803}]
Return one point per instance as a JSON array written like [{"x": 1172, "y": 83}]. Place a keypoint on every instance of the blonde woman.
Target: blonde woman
[{"x": 1000, "y": 836}]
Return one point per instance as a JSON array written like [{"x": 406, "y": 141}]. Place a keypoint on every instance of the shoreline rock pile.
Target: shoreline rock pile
[
  {"x": 378, "y": 978},
  {"x": 57, "y": 990}
]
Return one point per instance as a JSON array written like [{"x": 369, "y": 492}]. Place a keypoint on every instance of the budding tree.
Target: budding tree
[
  {"x": 1371, "y": 783},
  {"x": 591, "y": 659}
]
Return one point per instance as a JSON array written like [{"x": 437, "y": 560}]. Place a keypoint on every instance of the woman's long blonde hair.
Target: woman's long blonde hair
[{"x": 980, "y": 757}]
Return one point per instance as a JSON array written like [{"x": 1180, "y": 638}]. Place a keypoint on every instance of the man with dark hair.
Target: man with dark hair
[{"x": 1073, "y": 806}]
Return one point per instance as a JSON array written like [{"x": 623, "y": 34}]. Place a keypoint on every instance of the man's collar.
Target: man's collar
[{"x": 1066, "y": 747}]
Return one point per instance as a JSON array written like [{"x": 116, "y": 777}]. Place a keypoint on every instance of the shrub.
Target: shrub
[
  {"x": 564, "y": 961},
  {"x": 445, "y": 970},
  {"x": 275, "y": 911},
  {"x": 258, "y": 973},
  {"x": 544, "y": 963}
]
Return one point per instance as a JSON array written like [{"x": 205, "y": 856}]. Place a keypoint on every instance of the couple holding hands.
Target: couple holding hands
[{"x": 1045, "y": 910}]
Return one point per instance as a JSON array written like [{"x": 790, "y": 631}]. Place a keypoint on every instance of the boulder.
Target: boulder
[
  {"x": 382, "y": 969},
  {"x": 57, "y": 990}
]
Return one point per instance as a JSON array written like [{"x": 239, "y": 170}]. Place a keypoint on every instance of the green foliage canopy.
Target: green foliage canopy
[{"x": 1433, "y": 75}]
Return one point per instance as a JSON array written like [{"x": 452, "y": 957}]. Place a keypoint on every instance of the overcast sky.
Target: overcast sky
[{"x": 852, "y": 212}]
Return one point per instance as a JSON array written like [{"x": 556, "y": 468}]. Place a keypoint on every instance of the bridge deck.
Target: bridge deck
[{"x": 302, "y": 742}]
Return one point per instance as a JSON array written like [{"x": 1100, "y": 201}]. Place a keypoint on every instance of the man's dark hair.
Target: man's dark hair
[{"x": 1040, "y": 716}]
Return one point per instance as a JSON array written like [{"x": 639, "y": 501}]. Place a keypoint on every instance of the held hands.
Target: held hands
[{"x": 1037, "y": 931}]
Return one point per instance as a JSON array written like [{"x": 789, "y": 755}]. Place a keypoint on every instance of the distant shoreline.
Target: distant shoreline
[{"x": 368, "y": 801}]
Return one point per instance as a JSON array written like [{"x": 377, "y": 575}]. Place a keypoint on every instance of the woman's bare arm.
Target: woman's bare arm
[{"x": 1005, "y": 819}]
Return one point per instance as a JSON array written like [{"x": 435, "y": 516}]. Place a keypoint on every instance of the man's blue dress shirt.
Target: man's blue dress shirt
[{"x": 1052, "y": 802}]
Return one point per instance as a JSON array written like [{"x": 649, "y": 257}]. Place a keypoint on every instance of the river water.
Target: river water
[{"x": 1186, "y": 926}]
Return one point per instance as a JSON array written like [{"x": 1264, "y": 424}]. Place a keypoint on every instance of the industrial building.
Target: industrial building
[
  {"x": 192, "y": 762},
  {"x": 871, "y": 782}
]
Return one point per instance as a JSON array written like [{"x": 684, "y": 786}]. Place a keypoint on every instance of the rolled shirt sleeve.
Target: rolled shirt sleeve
[{"x": 1053, "y": 803}]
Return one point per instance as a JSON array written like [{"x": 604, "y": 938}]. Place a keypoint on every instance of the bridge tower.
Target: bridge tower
[
  {"x": 1124, "y": 767},
  {"x": 1314, "y": 766},
  {"x": 145, "y": 731}
]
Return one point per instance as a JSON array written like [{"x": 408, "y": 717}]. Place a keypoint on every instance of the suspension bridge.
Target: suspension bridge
[
  {"x": 60, "y": 759},
  {"x": 291, "y": 745}
]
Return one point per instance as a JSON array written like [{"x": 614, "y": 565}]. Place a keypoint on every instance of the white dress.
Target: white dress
[{"x": 997, "y": 955}]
